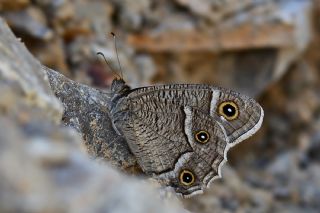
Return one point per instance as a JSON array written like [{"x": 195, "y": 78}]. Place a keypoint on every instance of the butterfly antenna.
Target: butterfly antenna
[
  {"x": 100, "y": 53},
  {"x": 115, "y": 46}
]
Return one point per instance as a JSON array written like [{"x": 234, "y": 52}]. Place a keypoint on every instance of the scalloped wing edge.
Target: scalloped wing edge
[{"x": 252, "y": 131}]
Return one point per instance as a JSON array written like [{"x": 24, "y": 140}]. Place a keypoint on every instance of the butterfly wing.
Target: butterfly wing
[
  {"x": 208, "y": 154},
  {"x": 155, "y": 136},
  {"x": 160, "y": 124},
  {"x": 207, "y": 99},
  {"x": 153, "y": 124},
  {"x": 248, "y": 114}
]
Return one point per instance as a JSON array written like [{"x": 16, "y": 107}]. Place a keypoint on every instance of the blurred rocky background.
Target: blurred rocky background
[{"x": 268, "y": 49}]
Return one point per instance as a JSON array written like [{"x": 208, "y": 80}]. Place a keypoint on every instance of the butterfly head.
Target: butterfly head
[{"x": 119, "y": 86}]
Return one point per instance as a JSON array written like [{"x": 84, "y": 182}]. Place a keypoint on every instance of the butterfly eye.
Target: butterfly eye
[
  {"x": 186, "y": 177},
  {"x": 229, "y": 110},
  {"x": 202, "y": 136}
]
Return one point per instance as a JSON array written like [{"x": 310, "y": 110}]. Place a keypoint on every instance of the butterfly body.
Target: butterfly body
[{"x": 180, "y": 133}]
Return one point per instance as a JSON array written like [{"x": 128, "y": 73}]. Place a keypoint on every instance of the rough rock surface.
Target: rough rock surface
[
  {"x": 250, "y": 45},
  {"x": 85, "y": 109},
  {"x": 42, "y": 169},
  {"x": 16, "y": 66},
  {"x": 182, "y": 41}
]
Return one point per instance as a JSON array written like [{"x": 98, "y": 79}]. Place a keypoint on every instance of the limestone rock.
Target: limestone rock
[
  {"x": 43, "y": 170},
  {"x": 17, "y": 67},
  {"x": 269, "y": 34},
  {"x": 31, "y": 22},
  {"x": 85, "y": 109}
]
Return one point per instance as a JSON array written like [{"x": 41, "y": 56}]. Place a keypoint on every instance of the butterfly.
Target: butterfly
[{"x": 180, "y": 134}]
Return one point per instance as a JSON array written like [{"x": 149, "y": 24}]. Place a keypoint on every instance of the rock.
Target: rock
[
  {"x": 29, "y": 86},
  {"x": 237, "y": 34},
  {"x": 146, "y": 67},
  {"x": 13, "y": 5},
  {"x": 94, "y": 17},
  {"x": 30, "y": 22},
  {"x": 243, "y": 33},
  {"x": 283, "y": 166},
  {"x": 231, "y": 194},
  {"x": 86, "y": 110},
  {"x": 55, "y": 58},
  {"x": 131, "y": 13},
  {"x": 43, "y": 170},
  {"x": 314, "y": 147},
  {"x": 216, "y": 11},
  {"x": 281, "y": 193}
]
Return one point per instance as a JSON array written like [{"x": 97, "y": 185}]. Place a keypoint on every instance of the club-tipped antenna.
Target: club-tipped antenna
[
  {"x": 115, "y": 47},
  {"x": 100, "y": 53}
]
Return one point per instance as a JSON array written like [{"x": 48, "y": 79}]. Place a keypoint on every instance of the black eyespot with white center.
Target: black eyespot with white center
[
  {"x": 229, "y": 110},
  {"x": 202, "y": 136},
  {"x": 186, "y": 177}
]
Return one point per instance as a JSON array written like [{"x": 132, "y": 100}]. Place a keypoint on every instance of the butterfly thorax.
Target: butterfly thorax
[{"x": 119, "y": 89}]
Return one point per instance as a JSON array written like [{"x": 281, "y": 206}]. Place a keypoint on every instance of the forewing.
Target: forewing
[
  {"x": 248, "y": 121},
  {"x": 155, "y": 134}
]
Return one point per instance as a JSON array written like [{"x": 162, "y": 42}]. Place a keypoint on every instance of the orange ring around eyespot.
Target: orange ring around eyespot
[
  {"x": 221, "y": 112},
  {"x": 182, "y": 173},
  {"x": 199, "y": 140}
]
